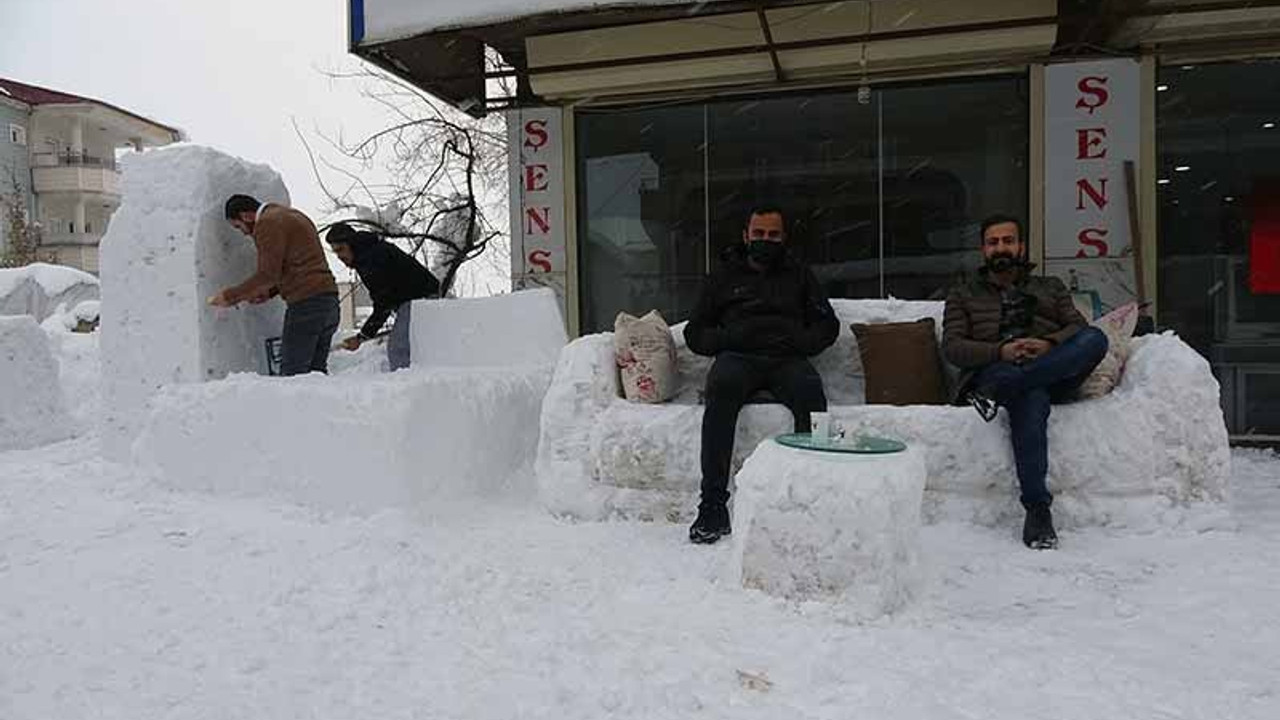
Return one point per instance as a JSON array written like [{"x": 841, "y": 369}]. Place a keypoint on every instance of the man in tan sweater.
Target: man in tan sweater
[
  {"x": 1021, "y": 345},
  {"x": 291, "y": 264}
]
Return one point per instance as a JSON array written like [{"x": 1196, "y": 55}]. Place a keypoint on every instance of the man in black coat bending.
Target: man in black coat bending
[
  {"x": 761, "y": 315},
  {"x": 394, "y": 280}
]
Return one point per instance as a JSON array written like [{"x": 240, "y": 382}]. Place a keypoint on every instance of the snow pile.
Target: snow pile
[
  {"x": 350, "y": 444},
  {"x": 520, "y": 328},
  {"x": 32, "y": 408},
  {"x": 85, "y": 313},
  {"x": 1135, "y": 457},
  {"x": 814, "y": 526},
  {"x": 78, "y": 366},
  {"x": 167, "y": 249},
  {"x": 38, "y": 289}
]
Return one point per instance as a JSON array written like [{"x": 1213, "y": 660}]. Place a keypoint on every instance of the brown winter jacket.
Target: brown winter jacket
[
  {"x": 290, "y": 258},
  {"x": 971, "y": 322}
]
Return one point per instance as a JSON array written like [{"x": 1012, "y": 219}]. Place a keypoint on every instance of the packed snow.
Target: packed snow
[
  {"x": 820, "y": 525},
  {"x": 1143, "y": 454},
  {"x": 167, "y": 249},
  {"x": 127, "y": 595},
  {"x": 39, "y": 289},
  {"x": 32, "y": 408},
  {"x": 523, "y": 328}
]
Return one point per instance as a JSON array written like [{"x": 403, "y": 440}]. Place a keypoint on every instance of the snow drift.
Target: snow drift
[
  {"x": 32, "y": 406},
  {"x": 39, "y": 289}
]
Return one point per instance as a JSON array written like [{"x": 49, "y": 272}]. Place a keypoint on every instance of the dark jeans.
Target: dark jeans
[
  {"x": 1027, "y": 392},
  {"x": 733, "y": 379},
  {"x": 309, "y": 325}
]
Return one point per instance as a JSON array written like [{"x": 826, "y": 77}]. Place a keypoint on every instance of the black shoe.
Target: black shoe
[
  {"x": 1037, "y": 531},
  {"x": 985, "y": 406},
  {"x": 711, "y": 525}
]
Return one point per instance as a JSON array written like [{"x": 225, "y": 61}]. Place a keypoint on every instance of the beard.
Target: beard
[{"x": 1004, "y": 262}]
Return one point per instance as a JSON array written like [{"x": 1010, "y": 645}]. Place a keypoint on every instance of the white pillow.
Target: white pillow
[
  {"x": 646, "y": 357},
  {"x": 1118, "y": 326}
]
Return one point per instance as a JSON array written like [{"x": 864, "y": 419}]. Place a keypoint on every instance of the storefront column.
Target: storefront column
[
  {"x": 1147, "y": 200},
  {"x": 573, "y": 303},
  {"x": 1035, "y": 165}
]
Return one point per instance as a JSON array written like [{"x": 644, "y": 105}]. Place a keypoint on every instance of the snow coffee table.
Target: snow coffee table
[{"x": 830, "y": 520}]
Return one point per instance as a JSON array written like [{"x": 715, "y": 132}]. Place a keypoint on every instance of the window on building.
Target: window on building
[
  {"x": 883, "y": 197},
  {"x": 17, "y": 134},
  {"x": 1218, "y": 138}
]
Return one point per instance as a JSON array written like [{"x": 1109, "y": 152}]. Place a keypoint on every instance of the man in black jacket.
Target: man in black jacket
[
  {"x": 761, "y": 315},
  {"x": 394, "y": 280}
]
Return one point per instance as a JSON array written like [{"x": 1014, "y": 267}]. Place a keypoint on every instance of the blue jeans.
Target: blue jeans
[
  {"x": 309, "y": 325},
  {"x": 398, "y": 344},
  {"x": 1027, "y": 392}
]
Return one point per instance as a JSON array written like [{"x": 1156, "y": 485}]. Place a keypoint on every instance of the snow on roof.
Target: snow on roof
[
  {"x": 392, "y": 19},
  {"x": 35, "y": 95},
  {"x": 54, "y": 279}
]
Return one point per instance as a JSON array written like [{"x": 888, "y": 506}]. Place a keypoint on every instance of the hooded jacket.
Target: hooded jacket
[
  {"x": 391, "y": 275},
  {"x": 778, "y": 312}
]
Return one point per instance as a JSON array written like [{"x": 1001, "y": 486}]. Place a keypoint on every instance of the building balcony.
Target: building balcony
[{"x": 71, "y": 173}]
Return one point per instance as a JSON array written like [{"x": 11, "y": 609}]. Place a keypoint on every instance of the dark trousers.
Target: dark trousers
[
  {"x": 1028, "y": 391},
  {"x": 309, "y": 325},
  {"x": 733, "y": 379}
]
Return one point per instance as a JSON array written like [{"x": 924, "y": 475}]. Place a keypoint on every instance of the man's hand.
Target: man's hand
[
  {"x": 352, "y": 343},
  {"x": 220, "y": 300},
  {"x": 1024, "y": 349},
  {"x": 1034, "y": 348}
]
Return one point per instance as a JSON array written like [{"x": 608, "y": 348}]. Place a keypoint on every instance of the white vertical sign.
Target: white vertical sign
[
  {"x": 1093, "y": 121},
  {"x": 1092, "y": 124},
  {"x": 538, "y": 215}
]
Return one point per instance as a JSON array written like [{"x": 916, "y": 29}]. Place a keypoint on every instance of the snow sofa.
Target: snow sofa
[
  {"x": 461, "y": 422},
  {"x": 1155, "y": 444}
]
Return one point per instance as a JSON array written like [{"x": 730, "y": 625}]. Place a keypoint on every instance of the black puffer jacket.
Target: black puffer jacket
[
  {"x": 392, "y": 276},
  {"x": 780, "y": 312}
]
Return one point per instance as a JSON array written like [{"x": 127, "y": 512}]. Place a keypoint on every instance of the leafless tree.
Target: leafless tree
[{"x": 434, "y": 179}]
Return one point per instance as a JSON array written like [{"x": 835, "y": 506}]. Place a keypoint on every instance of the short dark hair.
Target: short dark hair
[
  {"x": 765, "y": 209},
  {"x": 340, "y": 233},
  {"x": 1000, "y": 219},
  {"x": 237, "y": 204}
]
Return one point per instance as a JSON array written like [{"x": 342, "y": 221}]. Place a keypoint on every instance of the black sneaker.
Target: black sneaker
[
  {"x": 985, "y": 406},
  {"x": 1037, "y": 531},
  {"x": 711, "y": 525}
]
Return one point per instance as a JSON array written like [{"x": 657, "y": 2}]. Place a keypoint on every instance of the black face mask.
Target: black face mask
[
  {"x": 1004, "y": 262},
  {"x": 766, "y": 253}
]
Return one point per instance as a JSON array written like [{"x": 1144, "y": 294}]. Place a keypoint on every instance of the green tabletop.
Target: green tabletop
[{"x": 856, "y": 445}]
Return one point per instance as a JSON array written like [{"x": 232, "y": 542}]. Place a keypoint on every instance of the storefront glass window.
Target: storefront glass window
[
  {"x": 1218, "y": 135},
  {"x": 884, "y": 194}
]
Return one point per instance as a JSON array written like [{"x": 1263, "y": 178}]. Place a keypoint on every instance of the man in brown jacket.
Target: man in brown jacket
[
  {"x": 1021, "y": 345},
  {"x": 291, "y": 263}
]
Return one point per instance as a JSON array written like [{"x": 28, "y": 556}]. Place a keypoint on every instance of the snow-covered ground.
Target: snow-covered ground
[{"x": 122, "y": 598}]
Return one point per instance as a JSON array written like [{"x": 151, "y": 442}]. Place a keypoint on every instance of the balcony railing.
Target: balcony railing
[{"x": 70, "y": 159}]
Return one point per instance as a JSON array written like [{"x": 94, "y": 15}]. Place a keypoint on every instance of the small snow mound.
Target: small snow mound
[
  {"x": 39, "y": 288},
  {"x": 32, "y": 409}
]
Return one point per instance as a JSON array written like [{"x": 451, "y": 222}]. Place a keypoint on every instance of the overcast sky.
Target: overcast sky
[{"x": 232, "y": 73}]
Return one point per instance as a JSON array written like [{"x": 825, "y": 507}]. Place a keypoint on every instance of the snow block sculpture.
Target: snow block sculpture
[
  {"x": 356, "y": 444},
  {"x": 32, "y": 407},
  {"x": 39, "y": 289},
  {"x": 815, "y": 525},
  {"x": 167, "y": 249},
  {"x": 1157, "y": 443},
  {"x": 523, "y": 327}
]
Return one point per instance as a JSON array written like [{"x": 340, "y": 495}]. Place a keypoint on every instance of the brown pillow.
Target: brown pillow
[{"x": 901, "y": 363}]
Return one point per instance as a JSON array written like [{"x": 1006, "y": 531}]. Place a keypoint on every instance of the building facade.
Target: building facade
[
  {"x": 1136, "y": 138},
  {"x": 61, "y": 154}
]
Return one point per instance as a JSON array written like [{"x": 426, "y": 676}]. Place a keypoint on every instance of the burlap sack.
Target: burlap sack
[
  {"x": 646, "y": 357},
  {"x": 1118, "y": 325}
]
